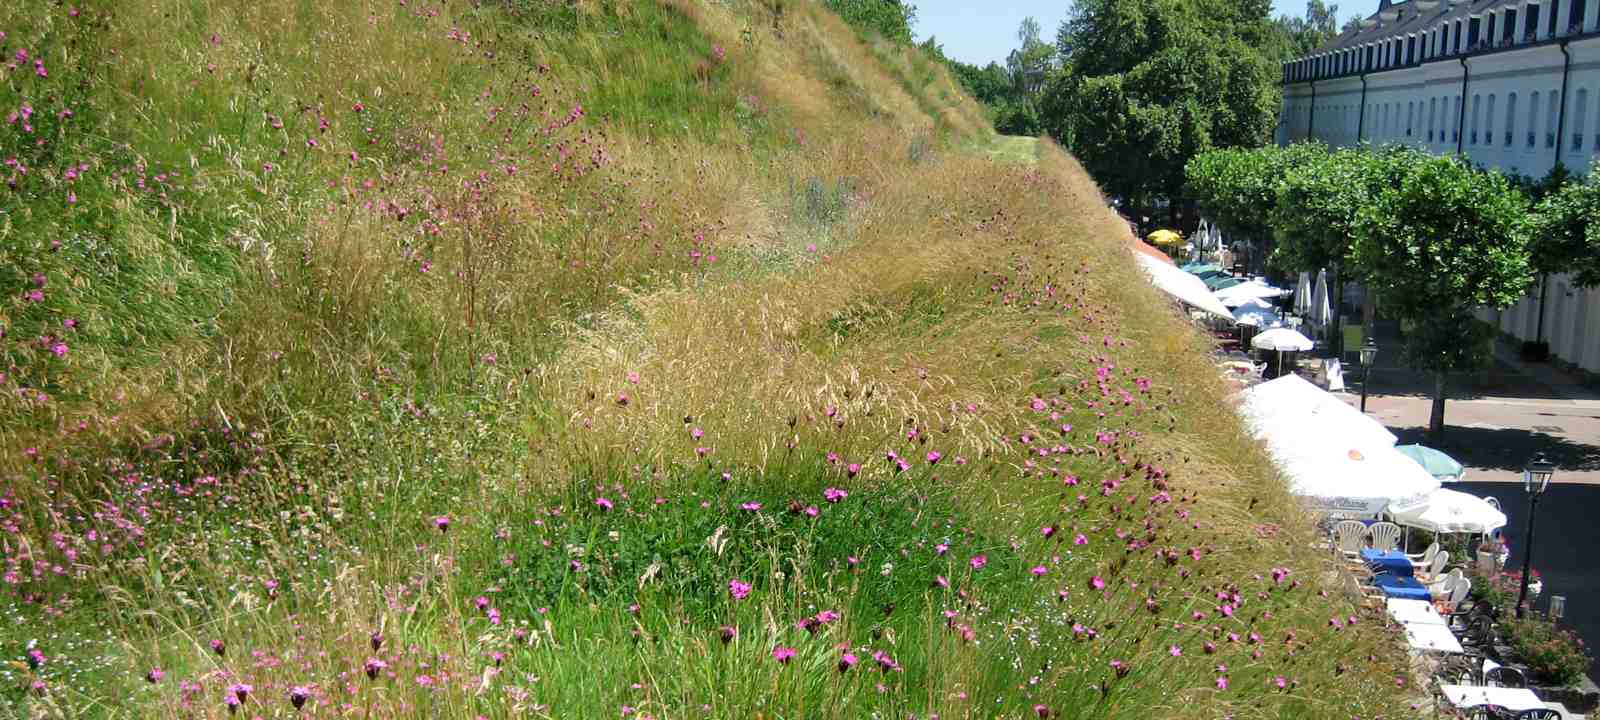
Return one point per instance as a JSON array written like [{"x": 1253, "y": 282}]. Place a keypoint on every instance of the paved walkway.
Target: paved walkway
[{"x": 1495, "y": 419}]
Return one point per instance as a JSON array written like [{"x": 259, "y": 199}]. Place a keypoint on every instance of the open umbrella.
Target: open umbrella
[
  {"x": 1438, "y": 464},
  {"x": 1282, "y": 340},
  {"x": 1199, "y": 268},
  {"x": 1236, "y": 295},
  {"x": 1449, "y": 511},
  {"x": 1256, "y": 313},
  {"x": 1165, "y": 237},
  {"x": 1220, "y": 282}
]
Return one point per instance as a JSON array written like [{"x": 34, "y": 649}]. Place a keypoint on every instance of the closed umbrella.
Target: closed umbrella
[
  {"x": 1320, "y": 314},
  {"x": 1438, "y": 464},
  {"x": 1449, "y": 511},
  {"x": 1302, "y": 295}
]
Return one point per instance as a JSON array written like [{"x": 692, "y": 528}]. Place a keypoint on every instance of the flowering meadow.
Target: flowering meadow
[{"x": 408, "y": 358}]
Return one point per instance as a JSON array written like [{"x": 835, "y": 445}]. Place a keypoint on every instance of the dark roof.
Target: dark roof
[{"x": 1399, "y": 19}]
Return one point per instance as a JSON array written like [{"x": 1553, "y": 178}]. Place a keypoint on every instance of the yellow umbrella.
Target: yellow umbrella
[{"x": 1165, "y": 237}]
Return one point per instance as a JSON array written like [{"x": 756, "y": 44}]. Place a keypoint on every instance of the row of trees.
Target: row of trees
[
  {"x": 1135, "y": 88},
  {"x": 1433, "y": 236}
]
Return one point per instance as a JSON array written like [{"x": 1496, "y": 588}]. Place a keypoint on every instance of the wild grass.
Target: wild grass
[{"x": 469, "y": 360}]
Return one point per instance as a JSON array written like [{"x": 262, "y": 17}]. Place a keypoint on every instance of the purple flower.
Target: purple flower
[
  {"x": 298, "y": 696},
  {"x": 978, "y": 561},
  {"x": 241, "y": 690},
  {"x": 442, "y": 522},
  {"x": 834, "y": 494},
  {"x": 934, "y": 457},
  {"x": 219, "y": 648},
  {"x": 373, "y": 667},
  {"x": 782, "y": 654},
  {"x": 1096, "y": 583},
  {"x": 1039, "y": 570},
  {"x": 155, "y": 675},
  {"x": 847, "y": 661},
  {"x": 603, "y": 503},
  {"x": 750, "y": 506},
  {"x": 738, "y": 589},
  {"x": 728, "y": 633}
]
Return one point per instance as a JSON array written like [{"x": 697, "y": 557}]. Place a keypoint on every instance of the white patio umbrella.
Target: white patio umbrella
[
  {"x": 1291, "y": 401},
  {"x": 1449, "y": 511},
  {"x": 1344, "y": 475},
  {"x": 1257, "y": 313},
  {"x": 1282, "y": 340},
  {"x": 1246, "y": 291},
  {"x": 1302, "y": 295},
  {"x": 1183, "y": 286}
]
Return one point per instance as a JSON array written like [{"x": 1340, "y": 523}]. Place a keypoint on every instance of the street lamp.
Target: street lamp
[
  {"x": 1369, "y": 354},
  {"x": 1535, "y": 478}
]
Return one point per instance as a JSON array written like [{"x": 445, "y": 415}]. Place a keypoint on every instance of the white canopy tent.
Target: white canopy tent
[
  {"x": 1449, "y": 511},
  {"x": 1183, "y": 286}
]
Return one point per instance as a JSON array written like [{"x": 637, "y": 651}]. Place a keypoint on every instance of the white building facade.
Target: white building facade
[{"x": 1509, "y": 84}]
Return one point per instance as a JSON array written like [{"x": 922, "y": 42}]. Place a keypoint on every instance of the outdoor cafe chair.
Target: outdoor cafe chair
[
  {"x": 1432, "y": 571},
  {"x": 1366, "y": 594},
  {"x": 1385, "y": 536},
  {"x": 1538, "y": 714},
  {"x": 1458, "y": 593},
  {"x": 1441, "y": 587},
  {"x": 1506, "y": 677},
  {"x": 1349, "y": 537},
  {"x": 1425, "y": 557}
]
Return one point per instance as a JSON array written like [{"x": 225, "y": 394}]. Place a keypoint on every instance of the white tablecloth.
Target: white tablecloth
[
  {"x": 1467, "y": 696},
  {"x": 1414, "y": 612},
  {"x": 1432, "y": 637}
]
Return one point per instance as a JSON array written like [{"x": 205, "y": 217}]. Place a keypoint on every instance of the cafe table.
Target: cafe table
[{"x": 1471, "y": 696}]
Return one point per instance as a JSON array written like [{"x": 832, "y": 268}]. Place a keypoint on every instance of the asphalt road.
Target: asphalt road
[{"x": 1566, "y": 548}]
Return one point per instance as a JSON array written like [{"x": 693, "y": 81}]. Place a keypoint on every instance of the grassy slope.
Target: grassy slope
[{"x": 487, "y": 329}]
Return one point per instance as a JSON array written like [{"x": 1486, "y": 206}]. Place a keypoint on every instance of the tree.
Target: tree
[
  {"x": 1438, "y": 240},
  {"x": 1032, "y": 62},
  {"x": 889, "y": 18},
  {"x": 1566, "y": 231},
  {"x": 1149, "y": 84},
  {"x": 1238, "y": 187},
  {"x": 1299, "y": 36}
]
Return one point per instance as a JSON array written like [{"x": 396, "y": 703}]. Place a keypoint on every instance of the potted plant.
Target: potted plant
[{"x": 1489, "y": 553}]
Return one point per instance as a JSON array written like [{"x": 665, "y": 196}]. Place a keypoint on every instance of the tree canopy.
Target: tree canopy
[
  {"x": 890, "y": 18},
  {"x": 1566, "y": 231},
  {"x": 1148, "y": 84}
]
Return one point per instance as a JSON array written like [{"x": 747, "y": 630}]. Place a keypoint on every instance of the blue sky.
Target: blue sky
[{"x": 985, "y": 30}]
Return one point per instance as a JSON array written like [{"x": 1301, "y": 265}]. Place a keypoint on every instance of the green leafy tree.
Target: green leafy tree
[
  {"x": 1438, "y": 240},
  {"x": 889, "y": 18},
  {"x": 1238, "y": 187},
  {"x": 1566, "y": 231},
  {"x": 1148, "y": 84},
  {"x": 1299, "y": 36}
]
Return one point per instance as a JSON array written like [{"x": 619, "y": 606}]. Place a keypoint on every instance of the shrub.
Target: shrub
[{"x": 1555, "y": 656}]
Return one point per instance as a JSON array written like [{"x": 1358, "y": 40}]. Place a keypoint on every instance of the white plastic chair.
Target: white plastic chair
[
  {"x": 1443, "y": 586},
  {"x": 1425, "y": 557},
  {"x": 1457, "y": 594},
  {"x": 1432, "y": 571},
  {"x": 1349, "y": 536},
  {"x": 1385, "y": 536}
]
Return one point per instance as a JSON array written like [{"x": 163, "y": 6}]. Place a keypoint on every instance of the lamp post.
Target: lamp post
[
  {"x": 1535, "y": 478},
  {"x": 1369, "y": 354}
]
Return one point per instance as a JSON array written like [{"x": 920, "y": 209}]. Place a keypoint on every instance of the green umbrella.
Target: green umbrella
[
  {"x": 1199, "y": 268},
  {"x": 1437, "y": 463},
  {"x": 1220, "y": 283}
]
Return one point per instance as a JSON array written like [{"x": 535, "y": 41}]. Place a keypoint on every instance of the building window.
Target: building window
[
  {"x": 1580, "y": 110},
  {"x": 1433, "y": 113},
  {"x": 1533, "y": 118},
  {"x": 1575, "y": 16},
  {"x": 1475, "y": 103},
  {"x": 1410, "y": 112},
  {"x": 1488, "y": 122},
  {"x": 1550, "y": 118},
  {"x": 1511, "y": 117}
]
